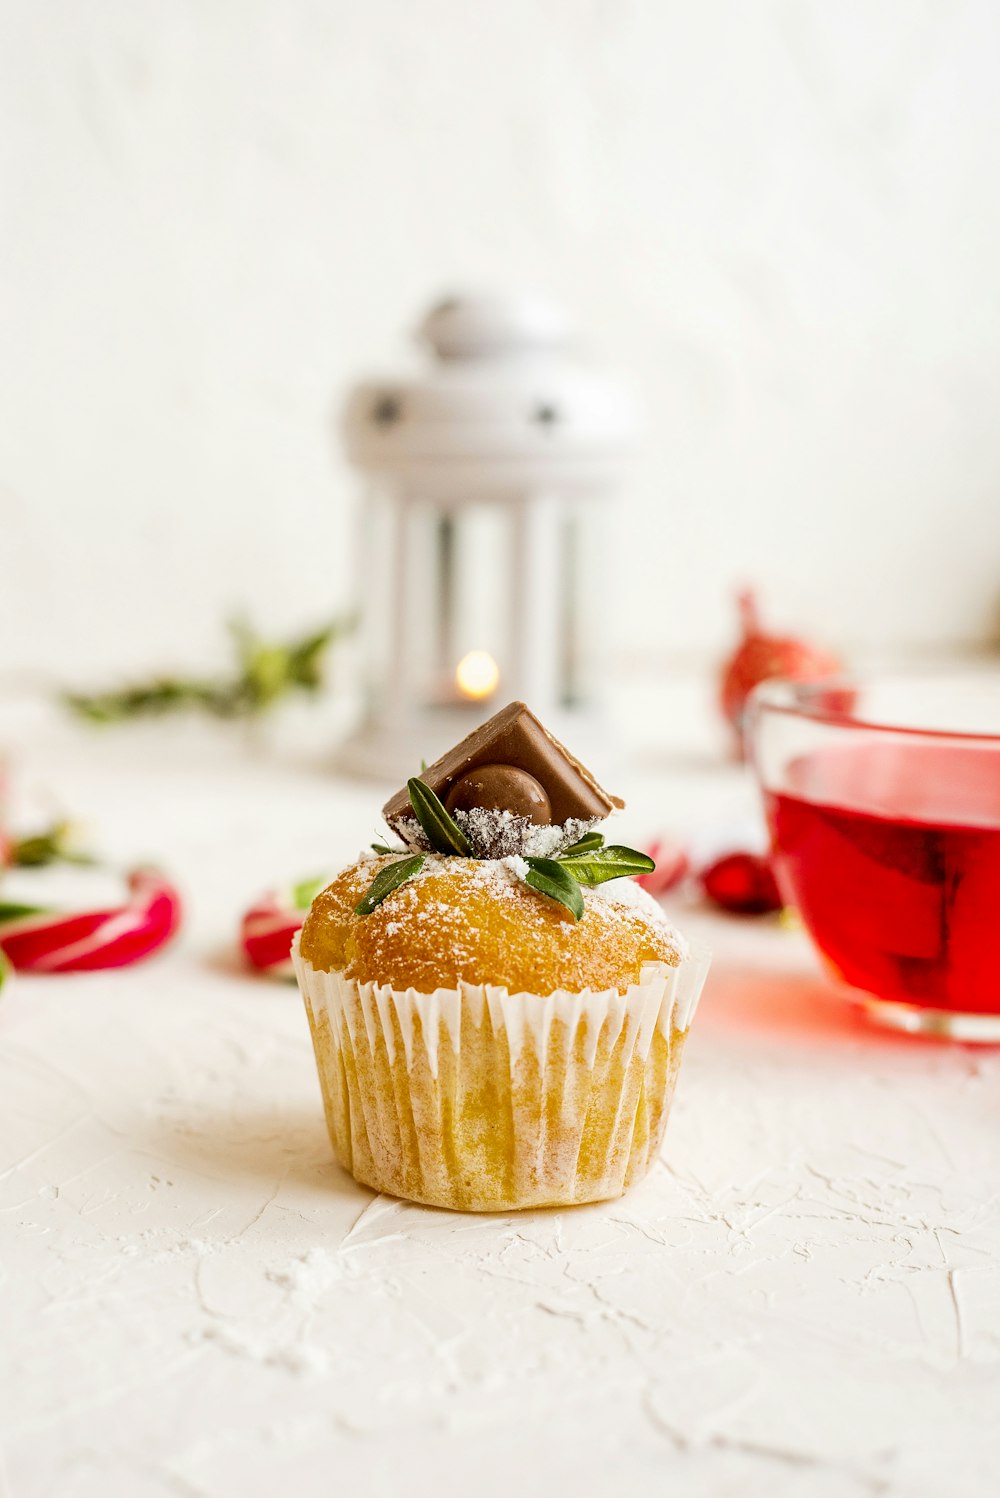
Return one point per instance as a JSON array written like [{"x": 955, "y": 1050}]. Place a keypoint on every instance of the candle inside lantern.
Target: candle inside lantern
[{"x": 477, "y": 675}]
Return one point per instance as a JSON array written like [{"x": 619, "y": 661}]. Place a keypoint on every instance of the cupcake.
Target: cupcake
[{"x": 497, "y": 1009}]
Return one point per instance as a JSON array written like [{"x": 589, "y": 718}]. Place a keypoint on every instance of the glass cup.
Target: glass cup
[{"x": 882, "y": 796}]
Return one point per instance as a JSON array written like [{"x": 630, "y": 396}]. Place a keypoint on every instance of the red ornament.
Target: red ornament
[
  {"x": 761, "y": 657},
  {"x": 742, "y": 883}
]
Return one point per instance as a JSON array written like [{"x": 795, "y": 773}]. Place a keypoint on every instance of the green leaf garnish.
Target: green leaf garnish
[
  {"x": 264, "y": 672},
  {"x": 443, "y": 832},
  {"x": 552, "y": 879},
  {"x": 587, "y": 843},
  {"x": 57, "y": 844},
  {"x": 9, "y": 911},
  {"x": 387, "y": 880},
  {"x": 304, "y": 893},
  {"x": 381, "y": 848},
  {"x": 606, "y": 863}
]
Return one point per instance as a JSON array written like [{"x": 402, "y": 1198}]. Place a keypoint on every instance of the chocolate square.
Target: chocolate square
[{"x": 515, "y": 737}]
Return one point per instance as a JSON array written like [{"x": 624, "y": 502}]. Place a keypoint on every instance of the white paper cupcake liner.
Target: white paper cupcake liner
[{"x": 481, "y": 1100}]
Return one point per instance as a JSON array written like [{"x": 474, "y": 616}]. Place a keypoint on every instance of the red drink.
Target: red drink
[{"x": 891, "y": 852}]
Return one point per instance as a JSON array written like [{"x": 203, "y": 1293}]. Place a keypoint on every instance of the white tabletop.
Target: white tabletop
[{"x": 196, "y": 1302}]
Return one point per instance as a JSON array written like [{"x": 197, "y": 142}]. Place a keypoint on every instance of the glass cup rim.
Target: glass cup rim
[{"x": 814, "y": 701}]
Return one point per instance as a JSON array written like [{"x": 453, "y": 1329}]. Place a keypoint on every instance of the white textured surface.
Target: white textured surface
[
  {"x": 782, "y": 218},
  {"x": 802, "y": 1299}
]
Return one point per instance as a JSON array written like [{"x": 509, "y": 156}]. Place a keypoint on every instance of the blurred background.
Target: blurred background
[{"x": 781, "y": 220}]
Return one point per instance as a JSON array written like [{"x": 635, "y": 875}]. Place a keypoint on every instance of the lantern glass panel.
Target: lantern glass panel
[{"x": 470, "y": 551}]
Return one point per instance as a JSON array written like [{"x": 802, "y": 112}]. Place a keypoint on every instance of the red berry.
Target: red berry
[{"x": 742, "y": 883}]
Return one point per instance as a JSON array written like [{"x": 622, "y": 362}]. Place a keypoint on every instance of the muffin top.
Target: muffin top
[
  {"x": 501, "y": 878},
  {"x": 475, "y": 921}
]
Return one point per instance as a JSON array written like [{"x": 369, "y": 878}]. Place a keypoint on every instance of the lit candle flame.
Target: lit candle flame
[{"x": 477, "y": 675}]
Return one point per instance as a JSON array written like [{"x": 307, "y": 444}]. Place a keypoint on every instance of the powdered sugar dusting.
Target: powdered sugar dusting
[
  {"x": 412, "y": 834},
  {"x": 502, "y": 879},
  {"x": 548, "y": 842},
  {"x": 498, "y": 877},
  {"x": 493, "y": 834},
  {"x": 631, "y": 898},
  {"x": 499, "y": 833}
]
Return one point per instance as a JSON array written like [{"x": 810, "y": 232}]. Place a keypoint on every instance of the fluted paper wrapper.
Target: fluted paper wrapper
[{"x": 486, "y": 1101}]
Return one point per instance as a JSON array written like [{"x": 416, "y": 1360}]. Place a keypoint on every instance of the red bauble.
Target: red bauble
[{"x": 760, "y": 657}]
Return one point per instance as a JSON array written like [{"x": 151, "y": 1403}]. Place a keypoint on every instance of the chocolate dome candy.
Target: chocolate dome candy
[{"x": 501, "y": 788}]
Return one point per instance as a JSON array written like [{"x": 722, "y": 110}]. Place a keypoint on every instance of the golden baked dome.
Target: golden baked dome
[{"x": 471, "y": 920}]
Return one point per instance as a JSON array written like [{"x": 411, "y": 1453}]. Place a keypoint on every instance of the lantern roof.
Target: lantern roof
[{"x": 503, "y": 396}]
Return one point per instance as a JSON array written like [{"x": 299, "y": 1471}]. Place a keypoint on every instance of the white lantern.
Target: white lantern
[{"x": 477, "y": 536}]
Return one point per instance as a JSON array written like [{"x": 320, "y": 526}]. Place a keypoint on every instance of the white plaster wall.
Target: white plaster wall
[{"x": 783, "y": 217}]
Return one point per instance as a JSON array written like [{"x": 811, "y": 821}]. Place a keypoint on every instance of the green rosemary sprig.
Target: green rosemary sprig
[
  {"x": 443, "y": 832},
  {"x": 57, "y": 844},
  {"x": 13, "y": 910},
  {"x": 602, "y": 864},
  {"x": 387, "y": 880},
  {"x": 587, "y": 843},
  {"x": 265, "y": 672},
  {"x": 587, "y": 862},
  {"x": 551, "y": 878}
]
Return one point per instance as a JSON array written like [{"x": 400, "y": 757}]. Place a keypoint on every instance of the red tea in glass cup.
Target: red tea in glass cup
[{"x": 883, "y": 802}]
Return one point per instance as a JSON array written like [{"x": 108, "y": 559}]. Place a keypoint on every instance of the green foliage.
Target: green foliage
[
  {"x": 443, "y": 832},
  {"x": 57, "y": 844},
  {"x": 387, "y": 880},
  {"x": 550, "y": 878},
  {"x": 605, "y": 863},
  {"x": 265, "y": 673}
]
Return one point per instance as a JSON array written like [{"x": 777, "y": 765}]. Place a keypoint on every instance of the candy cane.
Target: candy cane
[
  {"x": 52, "y": 941},
  {"x": 672, "y": 864},
  {"x": 268, "y": 927}
]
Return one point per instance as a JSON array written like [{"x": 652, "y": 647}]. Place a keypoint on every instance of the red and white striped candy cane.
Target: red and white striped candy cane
[
  {"x": 268, "y": 928},
  {"x": 672, "y": 864},
  {"x": 53, "y": 941}
]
